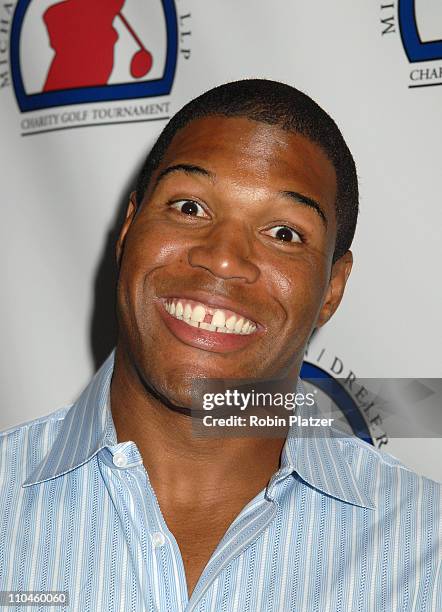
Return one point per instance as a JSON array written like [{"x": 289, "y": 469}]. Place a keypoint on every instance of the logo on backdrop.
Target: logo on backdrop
[
  {"x": 78, "y": 52},
  {"x": 419, "y": 24}
]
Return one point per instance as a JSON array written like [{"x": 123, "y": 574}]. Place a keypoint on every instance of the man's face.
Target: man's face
[{"x": 236, "y": 232}]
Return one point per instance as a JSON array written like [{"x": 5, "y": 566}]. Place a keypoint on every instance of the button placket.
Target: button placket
[
  {"x": 161, "y": 552},
  {"x": 166, "y": 551},
  {"x": 122, "y": 486}
]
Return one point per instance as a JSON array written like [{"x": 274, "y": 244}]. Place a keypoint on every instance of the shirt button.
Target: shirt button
[
  {"x": 120, "y": 460},
  {"x": 158, "y": 539}
]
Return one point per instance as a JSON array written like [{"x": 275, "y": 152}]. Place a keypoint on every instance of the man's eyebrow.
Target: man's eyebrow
[
  {"x": 299, "y": 198},
  {"x": 186, "y": 168}
]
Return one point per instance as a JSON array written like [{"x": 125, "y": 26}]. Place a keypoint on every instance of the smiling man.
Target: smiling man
[{"x": 235, "y": 248}]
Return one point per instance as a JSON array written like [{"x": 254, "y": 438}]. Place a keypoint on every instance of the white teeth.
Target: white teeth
[
  {"x": 230, "y": 323},
  {"x": 195, "y": 316},
  {"x": 187, "y": 311},
  {"x": 218, "y": 319},
  {"x": 238, "y": 325},
  {"x": 198, "y": 314}
]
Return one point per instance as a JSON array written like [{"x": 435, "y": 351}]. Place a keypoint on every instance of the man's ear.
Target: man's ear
[
  {"x": 340, "y": 272},
  {"x": 130, "y": 214}
]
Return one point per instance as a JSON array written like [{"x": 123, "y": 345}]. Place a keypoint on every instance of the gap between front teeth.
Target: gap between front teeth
[{"x": 194, "y": 316}]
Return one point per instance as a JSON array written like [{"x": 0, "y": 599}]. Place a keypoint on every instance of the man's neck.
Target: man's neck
[{"x": 180, "y": 464}]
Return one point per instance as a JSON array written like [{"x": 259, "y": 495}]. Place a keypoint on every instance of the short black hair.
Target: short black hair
[{"x": 278, "y": 104}]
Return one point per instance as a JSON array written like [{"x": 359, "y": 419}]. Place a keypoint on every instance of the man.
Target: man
[{"x": 235, "y": 248}]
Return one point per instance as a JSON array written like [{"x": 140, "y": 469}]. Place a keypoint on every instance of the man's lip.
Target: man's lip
[{"x": 215, "y": 301}]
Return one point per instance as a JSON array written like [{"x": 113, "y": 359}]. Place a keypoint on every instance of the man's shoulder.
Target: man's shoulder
[
  {"x": 34, "y": 424},
  {"x": 380, "y": 470},
  {"x": 32, "y": 438}
]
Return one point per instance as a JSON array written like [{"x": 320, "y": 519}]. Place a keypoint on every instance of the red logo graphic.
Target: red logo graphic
[{"x": 83, "y": 38}]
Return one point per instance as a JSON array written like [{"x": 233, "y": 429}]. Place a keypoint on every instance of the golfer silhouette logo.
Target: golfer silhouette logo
[
  {"x": 84, "y": 55},
  {"x": 78, "y": 51}
]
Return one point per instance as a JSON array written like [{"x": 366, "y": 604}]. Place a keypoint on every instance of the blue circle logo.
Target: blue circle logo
[{"x": 339, "y": 396}]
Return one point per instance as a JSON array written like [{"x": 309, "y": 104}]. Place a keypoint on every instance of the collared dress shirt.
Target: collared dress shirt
[{"x": 341, "y": 526}]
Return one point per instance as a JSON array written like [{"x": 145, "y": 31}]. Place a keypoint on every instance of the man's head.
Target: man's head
[{"x": 235, "y": 245}]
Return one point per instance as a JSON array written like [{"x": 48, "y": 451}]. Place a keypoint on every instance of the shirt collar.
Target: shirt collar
[
  {"x": 320, "y": 461},
  {"x": 86, "y": 429},
  {"x": 317, "y": 456}
]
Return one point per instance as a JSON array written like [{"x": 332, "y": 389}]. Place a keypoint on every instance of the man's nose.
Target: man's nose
[{"x": 225, "y": 253}]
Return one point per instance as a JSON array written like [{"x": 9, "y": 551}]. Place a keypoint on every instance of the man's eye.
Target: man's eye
[
  {"x": 189, "y": 207},
  {"x": 285, "y": 234}
]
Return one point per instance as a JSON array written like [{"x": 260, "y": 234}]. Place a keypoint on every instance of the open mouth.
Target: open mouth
[
  {"x": 202, "y": 316},
  {"x": 208, "y": 326}
]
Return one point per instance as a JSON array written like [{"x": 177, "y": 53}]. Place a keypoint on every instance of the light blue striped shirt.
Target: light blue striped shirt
[{"x": 340, "y": 526}]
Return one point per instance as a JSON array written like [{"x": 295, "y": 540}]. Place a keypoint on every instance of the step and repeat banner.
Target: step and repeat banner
[{"x": 85, "y": 88}]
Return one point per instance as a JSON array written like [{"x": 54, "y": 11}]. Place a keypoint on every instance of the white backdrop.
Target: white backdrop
[{"x": 62, "y": 190}]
